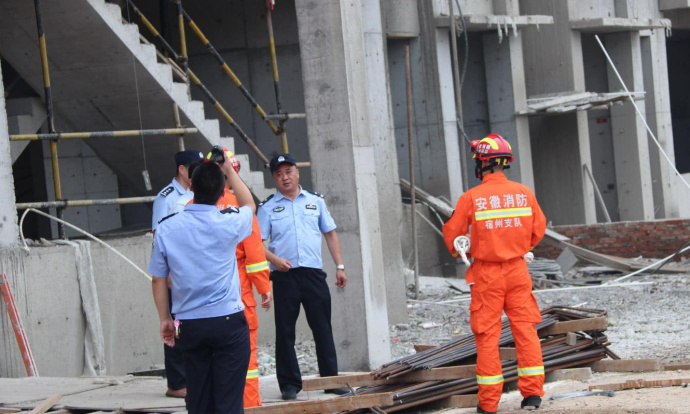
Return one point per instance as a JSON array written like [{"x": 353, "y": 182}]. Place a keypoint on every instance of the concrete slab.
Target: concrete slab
[{"x": 113, "y": 393}]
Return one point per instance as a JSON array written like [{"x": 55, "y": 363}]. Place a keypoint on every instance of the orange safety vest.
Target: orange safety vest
[{"x": 505, "y": 218}]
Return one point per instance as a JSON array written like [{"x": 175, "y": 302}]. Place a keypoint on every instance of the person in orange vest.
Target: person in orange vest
[
  {"x": 506, "y": 222},
  {"x": 254, "y": 271}
]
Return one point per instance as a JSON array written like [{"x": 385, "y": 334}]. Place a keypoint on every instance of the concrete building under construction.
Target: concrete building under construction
[{"x": 97, "y": 97}]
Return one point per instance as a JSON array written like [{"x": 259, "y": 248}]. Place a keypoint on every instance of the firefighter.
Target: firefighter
[
  {"x": 506, "y": 222},
  {"x": 254, "y": 271}
]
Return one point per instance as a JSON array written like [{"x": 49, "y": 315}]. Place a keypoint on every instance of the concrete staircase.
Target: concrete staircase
[
  {"x": 104, "y": 78},
  {"x": 24, "y": 116}
]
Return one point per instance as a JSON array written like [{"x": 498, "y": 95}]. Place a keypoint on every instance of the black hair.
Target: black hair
[{"x": 208, "y": 182}]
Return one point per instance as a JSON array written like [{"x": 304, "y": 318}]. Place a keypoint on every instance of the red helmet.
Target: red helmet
[
  {"x": 491, "y": 146},
  {"x": 219, "y": 154}
]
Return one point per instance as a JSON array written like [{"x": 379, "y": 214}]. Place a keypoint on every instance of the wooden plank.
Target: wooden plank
[
  {"x": 455, "y": 401},
  {"x": 326, "y": 406},
  {"x": 46, "y": 404},
  {"x": 640, "y": 384},
  {"x": 626, "y": 365},
  {"x": 577, "y": 325},
  {"x": 361, "y": 380},
  {"x": 9, "y": 410},
  {"x": 507, "y": 354},
  {"x": 677, "y": 367},
  {"x": 423, "y": 347}
]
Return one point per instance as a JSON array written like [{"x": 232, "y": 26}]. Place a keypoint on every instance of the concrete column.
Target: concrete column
[
  {"x": 9, "y": 231},
  {"x": 437, "y": 151},
  {"x": 554, "y": 53},
  {"x": 506, "y": 92},
  {"x": 631, "y": 150},
  {"x": 658, "y": 109},
  {"x": 343, "y": 157},
  {"x": 383, "y": 136}
]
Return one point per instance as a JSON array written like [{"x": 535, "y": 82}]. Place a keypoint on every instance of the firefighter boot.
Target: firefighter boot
[{"x": 531, "y": 401}]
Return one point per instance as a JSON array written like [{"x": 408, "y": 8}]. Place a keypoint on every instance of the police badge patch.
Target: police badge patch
[
  {"x": 310, "y": 206},
  {"x": 278, "y": 209},
  {"x": 166, "y": 191}
]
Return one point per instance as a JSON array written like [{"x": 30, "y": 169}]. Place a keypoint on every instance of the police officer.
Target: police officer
[
  {"x": 168, "y": 201},
  {"x": 168, "y": 197},
  {"x": 197, "y": 249},
  {"x": 294, "y": 220}
]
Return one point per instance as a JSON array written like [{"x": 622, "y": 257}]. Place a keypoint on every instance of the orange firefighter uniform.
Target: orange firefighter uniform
[
  {"x": 506, "y": 222},
  {"x": 254, "y": 271}
]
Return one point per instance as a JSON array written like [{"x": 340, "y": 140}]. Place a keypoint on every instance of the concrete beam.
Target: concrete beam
[
  {"x": 343, "y": 158},
  {"x": 382, "y": 132},
  {"x": 9, "y": 231},
  {"x": 631, "y": 150}
]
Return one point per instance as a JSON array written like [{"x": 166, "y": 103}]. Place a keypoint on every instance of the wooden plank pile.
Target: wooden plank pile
[{"x": 445, "y": 375}]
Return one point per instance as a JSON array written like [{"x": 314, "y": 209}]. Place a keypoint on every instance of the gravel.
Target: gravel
[{"x": 645, "y": 321}]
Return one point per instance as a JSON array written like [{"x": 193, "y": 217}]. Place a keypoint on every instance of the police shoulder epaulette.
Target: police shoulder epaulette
[
  {"x": 166, "y": 217},
  {"x": 230, "y": 209},
  {"x": 166, "y": 191},
  {"x": 315, "y": 193},
  {"x": 267, "y": 198}
]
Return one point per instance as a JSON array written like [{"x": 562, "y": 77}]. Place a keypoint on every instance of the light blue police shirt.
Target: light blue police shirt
[
  {"x": 295, "y": 227},
  {"x": 165, "y": 201},
  {"x": 197, "y": 249}
]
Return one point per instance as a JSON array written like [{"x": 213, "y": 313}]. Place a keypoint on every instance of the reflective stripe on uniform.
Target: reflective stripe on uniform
[
  {"x": 528, "y": 371},
  {"x": 257, "y": 267},
  {"x": 502, "y": 213},
  {"x": 492, "y": 380},
  {"x": 252, "y": 373}
]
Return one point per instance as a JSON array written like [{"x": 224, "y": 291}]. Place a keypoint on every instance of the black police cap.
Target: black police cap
[
  {"x": 281, "y": 159},
  {"x": 188, "y": 157}
]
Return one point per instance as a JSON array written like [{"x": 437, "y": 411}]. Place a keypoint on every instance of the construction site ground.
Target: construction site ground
[{"x": 645, "y": 321}]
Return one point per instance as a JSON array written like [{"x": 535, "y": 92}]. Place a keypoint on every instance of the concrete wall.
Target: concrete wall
[{"x": 46, "y": 291}]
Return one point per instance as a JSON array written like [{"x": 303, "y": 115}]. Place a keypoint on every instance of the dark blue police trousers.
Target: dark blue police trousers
[
  {"x": 306, "y": 286},
  {"x": 216, "y": 355}
]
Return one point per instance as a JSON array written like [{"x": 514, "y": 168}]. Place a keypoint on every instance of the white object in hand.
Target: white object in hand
[
  {"x": 462, "y": 246},
  {"x": 529, "y": 257}
]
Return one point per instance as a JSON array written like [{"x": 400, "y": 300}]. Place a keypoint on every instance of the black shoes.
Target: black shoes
[
  {"x": 531, "y": 401},
  {"x": 289, "y": 393},
  {"x": 337, "y": 391},
  {"x": 480, "y": 410}
]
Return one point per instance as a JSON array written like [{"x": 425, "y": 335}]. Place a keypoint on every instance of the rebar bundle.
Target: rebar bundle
[{"x": 589, "y": 346}]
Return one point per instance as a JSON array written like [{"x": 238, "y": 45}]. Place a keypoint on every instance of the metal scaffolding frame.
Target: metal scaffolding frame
[{"x": 183, "y": 60}]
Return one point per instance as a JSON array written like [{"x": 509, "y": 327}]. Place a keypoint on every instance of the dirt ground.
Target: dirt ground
[{"x": 645, "y": 321}]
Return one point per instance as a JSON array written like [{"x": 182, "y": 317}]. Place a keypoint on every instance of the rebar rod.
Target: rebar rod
[
  {"x": 81, "y": 203},
  {"x": 228, "y": 71},
  {"x": 198, "y": 83},
  {"x": 55, "y": 165},
  {"x": 102, "y": 134}
]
